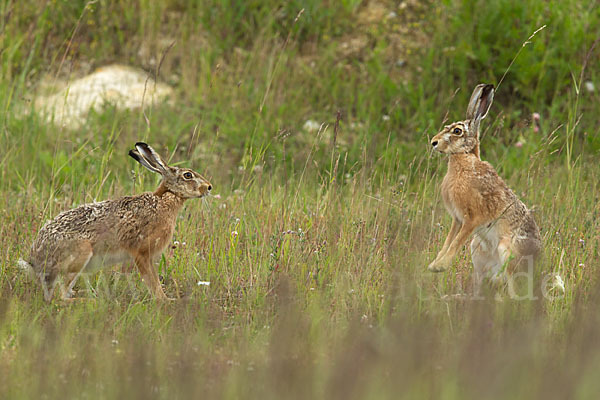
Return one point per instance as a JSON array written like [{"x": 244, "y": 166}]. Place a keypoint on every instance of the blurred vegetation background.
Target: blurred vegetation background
[
  {"x": 245, "y": 71},
  {"x": 317, "y": 241}
]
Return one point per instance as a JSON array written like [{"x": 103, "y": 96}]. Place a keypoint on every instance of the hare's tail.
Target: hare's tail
[{"x": 26, "y": 267}]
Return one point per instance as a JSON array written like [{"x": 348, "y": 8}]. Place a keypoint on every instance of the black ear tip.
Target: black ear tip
[
  {"x": 133, "y": 154},
  {"x": 142, "y": 144}
]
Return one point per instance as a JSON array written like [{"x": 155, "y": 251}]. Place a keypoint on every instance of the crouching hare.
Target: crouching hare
[
  {"x": 505, "y": 234},
  {"x": 132, "y": 228}
]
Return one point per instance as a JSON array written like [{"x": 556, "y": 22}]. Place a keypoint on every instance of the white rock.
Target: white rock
[{"x": 118, "y": 85}]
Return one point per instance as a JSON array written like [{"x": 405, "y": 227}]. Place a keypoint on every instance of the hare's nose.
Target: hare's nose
[{"x": 434, "y": 143}]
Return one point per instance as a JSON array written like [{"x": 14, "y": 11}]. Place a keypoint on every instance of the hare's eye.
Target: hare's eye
[
  {"x": 188, "y": 175},
  {"x": 457, "y": 131}
]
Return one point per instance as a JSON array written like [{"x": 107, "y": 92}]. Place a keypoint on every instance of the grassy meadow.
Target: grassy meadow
[{"x": 312, "y": 121}]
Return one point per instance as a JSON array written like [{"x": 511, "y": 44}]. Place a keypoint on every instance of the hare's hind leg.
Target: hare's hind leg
[
  {"x": 527, "y": 253},
  {"x": 73, "y": 264},
  {"x": 485, "y": 262},
  {"x": 127, "y": 267}
]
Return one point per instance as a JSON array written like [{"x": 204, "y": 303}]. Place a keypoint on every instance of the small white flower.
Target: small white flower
[
  {"x": 386, "y": 118},
  {"x": 589, "y": 86},
  {"x": 203, "y": 283},
  {"x": 558, "y": 283},
  {"x": 311, "y": 126}
]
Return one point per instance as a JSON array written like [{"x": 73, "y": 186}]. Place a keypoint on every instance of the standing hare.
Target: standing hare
[
  {"x": 480, "y": 202},
  {"x": 132, "y": 228}
]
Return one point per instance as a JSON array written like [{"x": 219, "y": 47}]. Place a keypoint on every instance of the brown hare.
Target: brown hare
[
  {"x": 480, "y": 203},
  {"x": 132, "y": 228}
]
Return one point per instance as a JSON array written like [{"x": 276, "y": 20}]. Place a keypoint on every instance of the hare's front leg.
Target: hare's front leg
[
  {"x": 150, "y": 276},
  {"x": 456, "y": 225},
  {"x": 445, "y": 260},
  {"x": 48, "y": 281},
  {"x": 72, "y": 278}
]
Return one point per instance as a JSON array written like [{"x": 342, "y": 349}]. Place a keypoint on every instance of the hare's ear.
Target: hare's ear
[
  {"x": 151, "y": 157},
  {"x": 137, "y": 157},
  {"x": 481, "y": 101}
]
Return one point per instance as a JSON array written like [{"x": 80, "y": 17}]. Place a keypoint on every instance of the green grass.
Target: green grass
[{"x": 316, "y": 255}]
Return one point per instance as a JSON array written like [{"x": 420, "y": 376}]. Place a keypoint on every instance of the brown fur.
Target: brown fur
[
  {"x": 479, "y": 201},
  {"x": 132, "y": 228}
]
